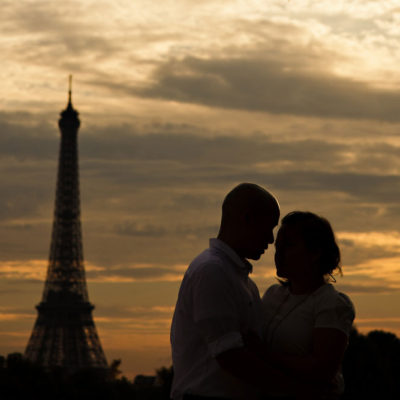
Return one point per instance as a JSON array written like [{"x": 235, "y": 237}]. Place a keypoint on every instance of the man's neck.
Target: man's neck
[{"x": 231, "y": 242}]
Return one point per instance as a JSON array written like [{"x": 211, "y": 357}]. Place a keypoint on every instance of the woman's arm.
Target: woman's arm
[{"x": 323, "y": 363}]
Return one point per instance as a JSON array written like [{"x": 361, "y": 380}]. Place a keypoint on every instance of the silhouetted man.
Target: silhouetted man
[{"x": 218, "y": 304}]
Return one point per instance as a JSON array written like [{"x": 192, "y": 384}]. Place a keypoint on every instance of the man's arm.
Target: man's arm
[
  {"x": 216, "y": 318},
  {"x": 250, "y": 368}
]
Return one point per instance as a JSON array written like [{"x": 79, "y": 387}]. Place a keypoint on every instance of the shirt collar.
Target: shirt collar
[{"x": 239, "y": 262}]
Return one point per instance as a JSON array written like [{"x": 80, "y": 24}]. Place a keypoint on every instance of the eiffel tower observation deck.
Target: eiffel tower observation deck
[{"x": 64, "y": 334}]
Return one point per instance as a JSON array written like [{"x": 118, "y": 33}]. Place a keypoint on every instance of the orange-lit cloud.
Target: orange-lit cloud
[
  {"x": 30, "y": 269},
  {"x": 36, "y": 270}
]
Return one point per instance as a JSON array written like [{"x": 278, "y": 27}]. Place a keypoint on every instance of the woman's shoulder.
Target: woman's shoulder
[
  {"x": 329, "y": 291},
  {"x": 327, "y": 296}
]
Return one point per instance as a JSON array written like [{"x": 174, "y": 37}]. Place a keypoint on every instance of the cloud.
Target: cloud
[
  {"x": 139, "y": 272},
  {"x": 161, "y": 144},
  {"x": 367, "y": 289},
  {"x": 258, "y": 84},
  {"x": 389, "y": 324},
  {"x": 23, "y": 270},
  {"x": 374, "y": 274},
  {"x": 296, "y": 165},
  {"x": 368, "y": 187},
  {"x": 384, "y": 240},
  {"x": 360, "y": 248},
  {"x": 382, "y": 319},
  {"x": 121, "y": 312},
  {"x": 23, "y": 137},
  {"x": 241, "y": 49},
  {"x": 145, "y": 189},
  {"x": 120, "y": 319},
  {"x": 16, "y": 315},
  {"x": 56, "y": 35},
  {"x": 27, "y": 139},
  {"x": 34, "y": 271},
  {"x": 131, "y": 228}
]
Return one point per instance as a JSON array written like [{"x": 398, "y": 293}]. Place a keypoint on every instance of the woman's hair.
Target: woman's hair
[{"x": 318, "y": 235}]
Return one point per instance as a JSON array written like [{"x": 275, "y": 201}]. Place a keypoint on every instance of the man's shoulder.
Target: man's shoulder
[
  {"x": 207, "y": 260},
  {"x": 205, "y": 271},
  {"x": 207, "y": 257}
]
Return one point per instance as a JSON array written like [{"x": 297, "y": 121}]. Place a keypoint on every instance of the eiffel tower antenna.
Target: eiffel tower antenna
[{"x": 70, "y": 90}]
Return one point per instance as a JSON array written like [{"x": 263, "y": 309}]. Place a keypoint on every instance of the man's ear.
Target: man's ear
[{"x": 248, "y": 217}]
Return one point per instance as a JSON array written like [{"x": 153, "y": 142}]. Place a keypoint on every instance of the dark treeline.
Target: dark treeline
[
  {"x": 22, "y": 380},
  {"x": 371, "y": 368}
]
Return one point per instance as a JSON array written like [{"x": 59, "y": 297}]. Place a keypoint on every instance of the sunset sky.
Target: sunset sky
[{"x": 179, "y": 101}]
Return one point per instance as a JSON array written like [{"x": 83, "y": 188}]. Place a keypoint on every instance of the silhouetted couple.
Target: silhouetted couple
[{"x": 227, "y": 342}]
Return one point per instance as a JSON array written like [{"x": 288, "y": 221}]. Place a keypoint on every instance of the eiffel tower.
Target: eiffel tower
[{"x": 64, "y": 334}]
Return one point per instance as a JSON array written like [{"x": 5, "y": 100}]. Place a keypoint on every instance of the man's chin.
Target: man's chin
[
  {"x": 255, "y": 256},
  {"x": 281, "y": 274}
]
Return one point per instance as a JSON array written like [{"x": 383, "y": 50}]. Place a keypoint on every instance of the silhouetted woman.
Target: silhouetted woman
[{"x": 307, "y": 321}]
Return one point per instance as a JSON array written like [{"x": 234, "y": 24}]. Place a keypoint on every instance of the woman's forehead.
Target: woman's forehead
[{"x": 286, "y": 231}]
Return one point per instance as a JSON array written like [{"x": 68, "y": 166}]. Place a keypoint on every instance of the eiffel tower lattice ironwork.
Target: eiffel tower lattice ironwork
[{"x": 64, "y": 334}]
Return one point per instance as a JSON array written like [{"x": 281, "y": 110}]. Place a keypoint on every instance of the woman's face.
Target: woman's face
[{"x": 293, "y": 260}]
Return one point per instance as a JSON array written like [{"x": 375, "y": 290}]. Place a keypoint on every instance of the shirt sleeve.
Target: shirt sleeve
[
  {"x": 215, "y": 311},
  {"x": 335, "y": 310},
  {"x": 272, "y": 294}
]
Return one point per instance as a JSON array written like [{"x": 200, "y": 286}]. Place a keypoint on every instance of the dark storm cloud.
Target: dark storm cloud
[
  {"x": 40, "y": 141},
  {"x": 164, "y": 178},
  {"x": 28, "y": 154},
  {"x": 261, "y": 84},
  {"x": 189, "y": 148},
  {"x": 53, "y": 36},
  {"x": 120, "y": 159},
  {"x": 21, "y": 139},
  {"x": 367, "y": 187}
]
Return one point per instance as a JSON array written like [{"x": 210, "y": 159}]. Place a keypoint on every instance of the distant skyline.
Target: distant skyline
[{"x": 179, "y": 101}]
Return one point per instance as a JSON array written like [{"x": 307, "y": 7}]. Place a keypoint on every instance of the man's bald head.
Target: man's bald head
[
  {"x": 249, "y": 214},
  {"x": 247, "y": 197}
]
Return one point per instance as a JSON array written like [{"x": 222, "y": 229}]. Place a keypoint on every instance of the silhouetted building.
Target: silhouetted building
[{"x": 64, "y": 334}]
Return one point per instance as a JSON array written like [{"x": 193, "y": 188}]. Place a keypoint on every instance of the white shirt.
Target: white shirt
[
  {"x": 290, "y": 319},
  {"x": 217, "y": 301}
]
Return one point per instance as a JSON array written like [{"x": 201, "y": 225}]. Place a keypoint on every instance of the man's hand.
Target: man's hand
[
  {"x": 249, "y": 366},
  {"x": 252, "y": 341}
]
